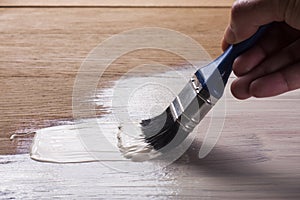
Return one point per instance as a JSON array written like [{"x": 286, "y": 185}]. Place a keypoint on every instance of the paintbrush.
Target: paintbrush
[{"x": 167, "y": 130}]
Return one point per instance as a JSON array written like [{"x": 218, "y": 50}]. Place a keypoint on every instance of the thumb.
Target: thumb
[{"x": 248, "y": 15}]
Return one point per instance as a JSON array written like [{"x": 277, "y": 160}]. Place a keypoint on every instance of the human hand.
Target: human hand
[{"x": 272, "y": 66}]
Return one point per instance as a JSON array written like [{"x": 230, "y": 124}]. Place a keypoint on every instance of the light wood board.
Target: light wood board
[
  {"x": 120, "y": 3},
  {"x": 42, "y": 49},
  {"x": 257, "y": 156}
]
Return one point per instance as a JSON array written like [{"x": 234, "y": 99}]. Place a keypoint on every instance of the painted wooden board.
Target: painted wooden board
[
  {"x": 42, "y": 49},
  {"x": 120, "y": 3}
]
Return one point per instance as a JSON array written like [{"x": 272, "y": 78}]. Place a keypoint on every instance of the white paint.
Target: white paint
[
  {"x": 129, "y": 101},
  {"x": 135, "y": 148},
  {"x": 101, "y": 139}
]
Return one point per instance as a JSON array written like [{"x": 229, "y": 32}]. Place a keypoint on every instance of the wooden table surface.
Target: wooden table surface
[
  {"x": 42, "y": 47},
  {"x": 117, "y": 3}
]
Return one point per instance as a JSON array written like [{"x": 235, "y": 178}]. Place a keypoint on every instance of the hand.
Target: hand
[{"x": 272, "y": 66}]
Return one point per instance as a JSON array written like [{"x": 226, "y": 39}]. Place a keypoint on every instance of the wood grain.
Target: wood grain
[
  {"x": 120, "y": 3},
  {"x": 257, "y": 156},
  {"x": 42, "y": 49}
]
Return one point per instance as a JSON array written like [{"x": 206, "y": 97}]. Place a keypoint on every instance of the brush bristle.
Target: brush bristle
[
  {"x": 166, "y": 130},
  {"x": 160, "y": 130}
]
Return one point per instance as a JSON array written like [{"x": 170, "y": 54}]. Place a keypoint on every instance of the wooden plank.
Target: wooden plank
[
  {"x": 42, "y": 49},
  {"x": 120, "y": 3},
  {"x": 256, "y": 157}
]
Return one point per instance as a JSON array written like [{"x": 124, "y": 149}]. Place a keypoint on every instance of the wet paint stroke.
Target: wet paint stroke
[
  {"x": 252, "y": 159},
  {"x": 129, "y": 101}
]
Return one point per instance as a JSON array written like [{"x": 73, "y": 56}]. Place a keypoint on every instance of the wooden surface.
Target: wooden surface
[
  {"x": 257, "y": 156},
  {"x": 120, "y": 3},
  {"x": 42, "y": 49}
]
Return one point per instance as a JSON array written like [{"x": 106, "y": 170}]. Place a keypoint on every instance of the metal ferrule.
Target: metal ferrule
[{"x": 192, "y": 104}]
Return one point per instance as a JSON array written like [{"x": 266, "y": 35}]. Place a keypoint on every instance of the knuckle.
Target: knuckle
[
  {"x": 237, "y": 8},
  {"x": 241, "y": 6}
]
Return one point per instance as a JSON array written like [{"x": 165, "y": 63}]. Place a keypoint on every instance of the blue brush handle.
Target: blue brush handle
[{"x": 215, "y": 75}]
